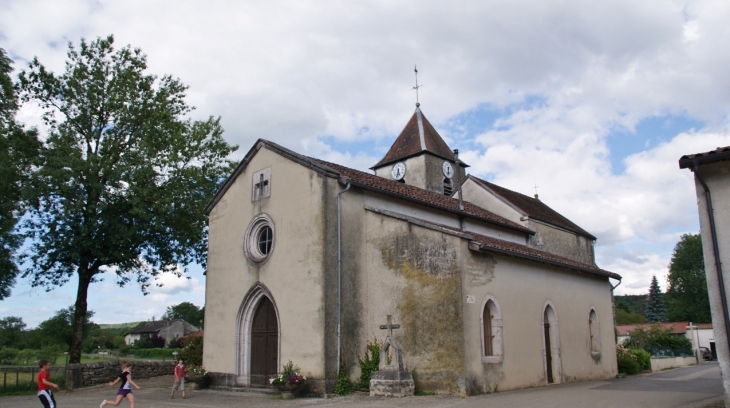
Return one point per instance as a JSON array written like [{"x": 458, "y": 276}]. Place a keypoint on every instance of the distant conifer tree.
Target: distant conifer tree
[{"x": 655, "y": 309}]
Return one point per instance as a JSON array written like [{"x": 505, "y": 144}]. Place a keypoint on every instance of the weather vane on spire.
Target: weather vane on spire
[
  {"x": 415, "y": 69},
  {"x": 535, "y": 187}
]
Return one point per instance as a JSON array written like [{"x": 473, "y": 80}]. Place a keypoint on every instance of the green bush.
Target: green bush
[
  {"x": 343, "y": 386},
  {"x": 656, "y": 338},
  {"x": 192, "y": 351},
  {"x": 8, "y": 355},
  {"x": 627, "y": 364},
  {"x": 642, "y": 357},
  {"x": 370, "y": 363},
  {"x": 26, "y": 357}
]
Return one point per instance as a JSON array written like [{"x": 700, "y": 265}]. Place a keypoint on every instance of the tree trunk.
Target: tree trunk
[{"x": 74, "y": 353}]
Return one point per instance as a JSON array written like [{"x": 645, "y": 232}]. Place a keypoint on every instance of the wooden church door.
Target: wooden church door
[
  {"x": 264, "y": 343},
  {"x": 548, "y": 355}
]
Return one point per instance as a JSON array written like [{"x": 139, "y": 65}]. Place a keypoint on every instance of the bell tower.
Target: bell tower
[{"x": 420, "y": 157}]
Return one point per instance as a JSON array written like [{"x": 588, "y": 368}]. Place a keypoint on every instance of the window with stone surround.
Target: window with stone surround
[
  {"x": 595, "y": 332},
  {"x": 259, "y": 240},
  {"x": 491, "y": 320}
]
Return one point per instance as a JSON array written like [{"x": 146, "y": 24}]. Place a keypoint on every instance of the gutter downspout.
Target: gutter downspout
[
  {"x": 339, "y": 272},
  {"x": 458, "y": 179},
  {"x": 716, "y": 252}
]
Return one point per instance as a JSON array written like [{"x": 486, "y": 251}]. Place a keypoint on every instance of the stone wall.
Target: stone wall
[{"x": 86, "y": 375}]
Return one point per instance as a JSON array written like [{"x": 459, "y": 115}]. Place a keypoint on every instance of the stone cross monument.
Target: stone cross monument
[{"x": 391, "y": 380}]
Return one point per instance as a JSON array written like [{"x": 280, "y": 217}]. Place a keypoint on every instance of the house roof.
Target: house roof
[
  {"x": 154, "y": 326},
  {"x": 418, "y": 137},
  {"x": 676, "y": 327},
  {"x": 484, "y": 243},
  {"x": 533, "y": 207},
  {"x": 690, "y": 160}
]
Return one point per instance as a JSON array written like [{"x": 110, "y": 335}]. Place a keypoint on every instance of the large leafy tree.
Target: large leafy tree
[
  {"x": 125, "y": 178},
  {"x": 18, "y": 150},
  {"x": 656, "y": 310},
  {"x": 687, "y": 290},
  {"x": 186, "y": 311},
  {"x": 11, "y": 331},
  {"x": 58, "y": 330}
]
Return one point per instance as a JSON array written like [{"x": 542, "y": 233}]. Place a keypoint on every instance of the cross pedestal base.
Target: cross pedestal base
[{"x": 392, "y": 383}]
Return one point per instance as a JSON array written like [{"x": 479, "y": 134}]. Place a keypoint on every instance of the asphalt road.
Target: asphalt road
[{"x": 695, "y": 386}]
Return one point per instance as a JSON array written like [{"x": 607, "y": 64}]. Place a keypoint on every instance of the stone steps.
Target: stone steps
[{"x": 256, "y": 390}]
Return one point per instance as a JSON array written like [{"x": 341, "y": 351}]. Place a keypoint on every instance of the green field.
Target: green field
[{"x": 15, "y": 382}]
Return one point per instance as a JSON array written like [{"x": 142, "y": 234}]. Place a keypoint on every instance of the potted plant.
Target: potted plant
[
  {"x": 288, "y": 380},
  {"x": 197, "y": 377}
]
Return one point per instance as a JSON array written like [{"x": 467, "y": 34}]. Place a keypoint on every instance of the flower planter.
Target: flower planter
[
  {"x": 197, "y": 382},
  {"x": 287, "y": 390}
]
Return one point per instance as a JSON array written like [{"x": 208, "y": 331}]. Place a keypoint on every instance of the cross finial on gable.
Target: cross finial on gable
[{"x": 390, "y": 326}]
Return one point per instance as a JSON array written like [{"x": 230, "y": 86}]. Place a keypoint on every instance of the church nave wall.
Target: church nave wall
[{"x": 522, "y": 290}]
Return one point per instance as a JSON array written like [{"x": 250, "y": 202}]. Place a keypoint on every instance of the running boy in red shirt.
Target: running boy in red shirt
[
  {"x": 44, "y": 385},
  {"x": 179, "y": 379}
]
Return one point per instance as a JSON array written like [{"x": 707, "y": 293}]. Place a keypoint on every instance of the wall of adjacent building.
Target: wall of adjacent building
[
  {"x": 293, "y": 272},
  {"x": 717, "y": 178}
]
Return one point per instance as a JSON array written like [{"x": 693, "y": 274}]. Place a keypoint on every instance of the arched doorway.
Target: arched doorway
[
  {"x": 551, "y": 338},
  {"x": 264, "y": 343},
  {"x": 257, "y": 343}
]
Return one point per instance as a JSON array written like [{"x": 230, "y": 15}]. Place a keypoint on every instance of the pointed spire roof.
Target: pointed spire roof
[{"x": 418, "y": 137}]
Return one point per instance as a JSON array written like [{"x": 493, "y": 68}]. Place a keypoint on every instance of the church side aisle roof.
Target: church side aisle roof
[
  {"x": 483, "y": 242},
  {"x": 414, "y": 193},
  {"x": 534, "y": 208},
  {"x": 418, "y": 136}
]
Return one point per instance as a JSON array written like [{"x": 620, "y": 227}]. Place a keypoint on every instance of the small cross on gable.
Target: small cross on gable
[{"x": 390, "y": 326}]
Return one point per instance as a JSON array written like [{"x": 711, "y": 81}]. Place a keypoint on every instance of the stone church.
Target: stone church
[{"x": 492, "y": 289}]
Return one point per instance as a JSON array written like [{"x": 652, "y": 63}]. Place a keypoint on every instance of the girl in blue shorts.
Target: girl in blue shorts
[{"x": 125, "y": 390}]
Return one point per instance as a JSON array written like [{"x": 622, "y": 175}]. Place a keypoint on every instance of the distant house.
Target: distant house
[
  {"x": 170, "y": 330},
  {"x": 701, "y": 335},
  {"x": 622, "y": 330}
]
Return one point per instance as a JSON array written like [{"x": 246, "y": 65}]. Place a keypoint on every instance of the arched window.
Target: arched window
[
  {"x": 448, "y": 187},
  {"x": 491, "y": 331},
  {"x": 595, "y": 332}
]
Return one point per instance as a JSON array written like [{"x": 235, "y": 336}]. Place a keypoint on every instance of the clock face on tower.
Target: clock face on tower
[
  {"x": 447, "y": 169},
  {"x": 398, "y": 171}
]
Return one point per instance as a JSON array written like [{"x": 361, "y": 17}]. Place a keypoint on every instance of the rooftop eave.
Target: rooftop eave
[
  {"x": 450, "y": 159},
  {"x": 475, "y": 246},
  {"x": 345, "y": 180},
  {"x": 686, "y": 162},
  {"x": 261, "y": 143}
]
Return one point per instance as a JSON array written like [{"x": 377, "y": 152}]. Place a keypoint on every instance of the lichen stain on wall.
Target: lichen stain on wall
[
  {"x": 483, "y": 272},
  {"x": 430, "y": 308}
]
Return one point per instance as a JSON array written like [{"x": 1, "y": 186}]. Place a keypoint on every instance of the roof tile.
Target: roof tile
[
  {"x": 527, "y": 252},
  {"x": 409, "y": 143},
  {"x": 534, "y": 208},
  {"x": 418, "y": 194}
]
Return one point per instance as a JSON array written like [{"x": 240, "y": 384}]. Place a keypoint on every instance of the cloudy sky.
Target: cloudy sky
[{"x": 593, "y": 102}]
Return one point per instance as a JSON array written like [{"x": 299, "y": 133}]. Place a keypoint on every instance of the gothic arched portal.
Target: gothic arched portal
[{"x": 258, "y": 338}]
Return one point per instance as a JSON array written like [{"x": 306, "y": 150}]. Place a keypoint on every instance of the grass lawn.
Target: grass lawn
[{"x": 14, "y": 382}]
